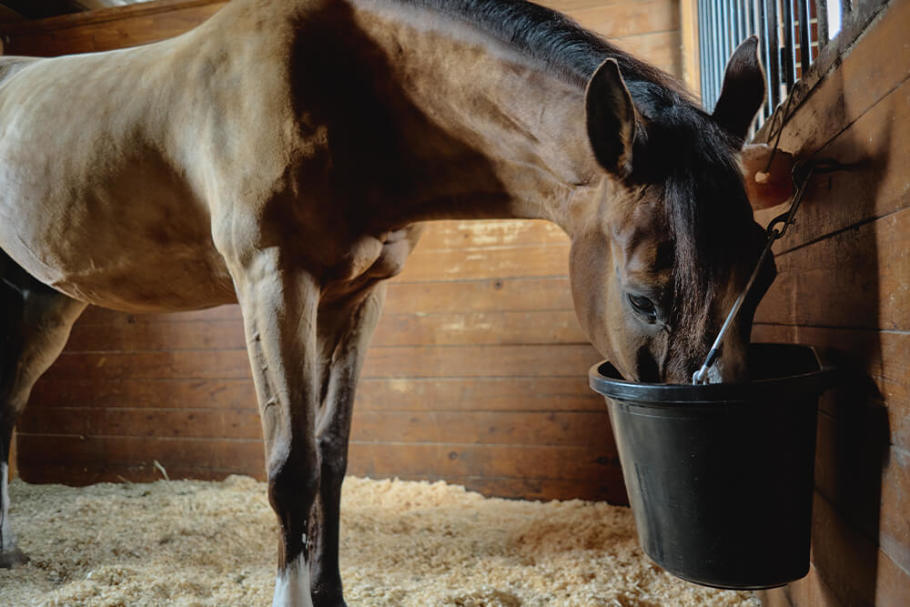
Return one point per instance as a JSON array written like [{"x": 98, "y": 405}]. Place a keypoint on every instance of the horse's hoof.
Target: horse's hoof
[{"x": 10, "y": 559}]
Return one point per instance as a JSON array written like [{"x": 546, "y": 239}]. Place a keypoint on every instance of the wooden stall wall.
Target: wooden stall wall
[
  {"x": 477, "y": 373},
  {"x": 844, "y": 283}
]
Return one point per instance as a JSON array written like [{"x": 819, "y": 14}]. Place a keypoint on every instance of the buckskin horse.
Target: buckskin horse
[{"x": 282, "y": 154}]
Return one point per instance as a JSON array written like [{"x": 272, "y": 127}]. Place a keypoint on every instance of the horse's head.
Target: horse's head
[{"x": 656, "y": 269}]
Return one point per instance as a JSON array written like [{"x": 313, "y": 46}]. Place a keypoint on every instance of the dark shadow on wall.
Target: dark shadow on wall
[
  {"x": 832, "y": 280},
  {"x": 853, "y": 431}
]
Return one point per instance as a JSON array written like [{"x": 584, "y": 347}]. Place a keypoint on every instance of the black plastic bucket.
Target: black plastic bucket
[{"x": 720, "y": 477}]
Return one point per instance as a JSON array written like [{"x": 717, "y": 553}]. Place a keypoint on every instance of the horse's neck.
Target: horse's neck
[{"x": 507, "y": 137}]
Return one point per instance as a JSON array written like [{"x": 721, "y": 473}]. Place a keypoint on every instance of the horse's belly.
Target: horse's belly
[
  {"x": 144, "y": 248},
  {"x": 103, "y": 266}
]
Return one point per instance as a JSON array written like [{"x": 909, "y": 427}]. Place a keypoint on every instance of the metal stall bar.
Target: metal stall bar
[
  {"x": 715, "y": 55},
  {"x": 742, "y": 26},
  {"x": 704, "y": 48},
  {"x": 805, "y": 46},
  {"x": 788, "y": 55},
  {"x": 821, "y": 16},
  {"x": 774, "y": 56},
  {"x": 765, "y": 53},
  {"x": 723, "y": 36},
  {"x": 702, "y": 55},
  {"x": 706, "y": 44}
]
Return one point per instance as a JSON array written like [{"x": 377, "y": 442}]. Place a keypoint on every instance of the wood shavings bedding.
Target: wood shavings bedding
[{"x": 408, "y": 544}]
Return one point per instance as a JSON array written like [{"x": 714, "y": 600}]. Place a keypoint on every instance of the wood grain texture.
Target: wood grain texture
[
  {"x": 844, "y": 283},
  {"x": 874, "y": 145},
  {"x": 688, "y": 26},
  {"x": 856, "y": 278},
  {"x": 107, "y": 29},
  {"x": 399, "y": 394}
]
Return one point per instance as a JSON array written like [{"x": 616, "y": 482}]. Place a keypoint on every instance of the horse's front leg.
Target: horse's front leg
[
  {"x": 345, "y": 329},
  {"x": 279, "y": 312}
]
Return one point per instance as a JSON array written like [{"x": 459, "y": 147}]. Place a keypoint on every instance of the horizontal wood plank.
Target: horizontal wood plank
[
  {"x": 223, "y": 454},
  {"x": 392, "y": 394},
  {"x": 52, "y": 391},
  {"x": 845, "y": 559},
  {"x": 579, "y": 429},
  {"x": 854, "y": 279},
  {"x": 107, "y": 29},
  {"x": 140, "y": 471},
  {"x": 892, "y": 584},
  {"x": 178, "y": 364},
  {"x": 94, "y": 316},
  {"x": 810, "y": 591},
  {"x": 571, "y": 429},
  {"x": 534, "y": 393},
  {"x": 159, "y": 335},
  {"x": 465, "y": 235},
  {"x": 874, "y": 186},
  {"x": 480, "y": 361},
  {"x": 660, "y": 49},
  {"x": 483, "y": 295},
  {"x": 145, "y": 421},
  {"x": 441, "y": 460},
  {"x": 848, "y": 469},
  {"x": 882, "y": 357},
  {"x": 506, "y": 262},
  {"x": 608, "y": 487},
  {"x": 618, "y": 20},
  {"x": 494, "y": 294},
  {"x": 448, "y": 461},
  {"x": 395, "y": 361},
  {"x": 446, "y": 329},
  {"x": 491, "y": 328},
  {"x": 894, "y": 525}
]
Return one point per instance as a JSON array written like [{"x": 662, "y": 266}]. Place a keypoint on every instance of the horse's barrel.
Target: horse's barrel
[{"x": 720, "y": 476}]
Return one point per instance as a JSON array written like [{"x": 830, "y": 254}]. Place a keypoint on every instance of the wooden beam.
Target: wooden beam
[{"x": 688, "y": 19}]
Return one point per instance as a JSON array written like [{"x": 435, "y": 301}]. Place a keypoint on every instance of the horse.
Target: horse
[{"x": 283, "y": 155}]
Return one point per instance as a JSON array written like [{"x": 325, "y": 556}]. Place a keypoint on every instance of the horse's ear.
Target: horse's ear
[
  {"x": 743, "y": 91},
  {"x": 610, "y": 117}
]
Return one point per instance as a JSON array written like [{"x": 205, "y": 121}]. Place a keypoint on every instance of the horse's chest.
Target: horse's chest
[{"x": 372, "y": 259}]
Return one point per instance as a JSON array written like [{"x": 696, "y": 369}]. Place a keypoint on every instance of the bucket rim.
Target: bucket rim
[{"x": 653, "y": 394}]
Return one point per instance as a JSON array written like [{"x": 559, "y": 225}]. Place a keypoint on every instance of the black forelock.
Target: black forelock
[{"x": 706, "y": 206}]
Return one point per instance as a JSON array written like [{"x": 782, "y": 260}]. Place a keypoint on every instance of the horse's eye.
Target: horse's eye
[{"x": 644, "y": 306}]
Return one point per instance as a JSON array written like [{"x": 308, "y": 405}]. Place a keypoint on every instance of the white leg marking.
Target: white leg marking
[
  {"x": 7, "y": 540},
  {"x": 292, "y": 588}
]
